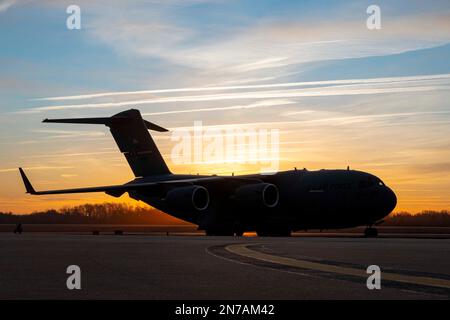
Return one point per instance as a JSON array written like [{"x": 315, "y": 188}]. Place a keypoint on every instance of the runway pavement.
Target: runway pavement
[{"x": 33, "y": 266}]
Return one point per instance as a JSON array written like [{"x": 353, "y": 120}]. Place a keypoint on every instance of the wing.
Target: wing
[{"x": 118, "y": 190}]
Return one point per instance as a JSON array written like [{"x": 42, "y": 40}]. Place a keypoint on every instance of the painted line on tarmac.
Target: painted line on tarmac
[{"x": 243, "y": 250}]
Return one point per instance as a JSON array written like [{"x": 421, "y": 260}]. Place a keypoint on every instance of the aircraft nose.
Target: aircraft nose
[{"x": 390, "y": 200}]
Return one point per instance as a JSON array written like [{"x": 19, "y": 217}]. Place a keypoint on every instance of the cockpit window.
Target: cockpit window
[{"x": 370, "y": 182}]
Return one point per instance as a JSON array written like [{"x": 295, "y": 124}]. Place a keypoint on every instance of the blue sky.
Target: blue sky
[{"x": 274, "y": 56}]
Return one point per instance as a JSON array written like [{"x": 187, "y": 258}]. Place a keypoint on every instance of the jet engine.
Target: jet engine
[
  {"x": 259, "y": 194},
  {"x": 189, "y": 197}
]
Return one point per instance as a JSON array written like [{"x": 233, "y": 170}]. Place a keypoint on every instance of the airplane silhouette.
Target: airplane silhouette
[{"x": 271, "y": 205}]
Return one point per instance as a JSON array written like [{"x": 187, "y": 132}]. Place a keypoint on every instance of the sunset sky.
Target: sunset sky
[{"x": 339, "y": 93}]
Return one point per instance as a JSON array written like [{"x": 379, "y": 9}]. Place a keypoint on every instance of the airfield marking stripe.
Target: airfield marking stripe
[{"x": 243, "y": 250}]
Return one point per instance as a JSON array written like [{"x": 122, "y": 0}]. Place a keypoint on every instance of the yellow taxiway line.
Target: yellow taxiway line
[{"x": 243, "y": 250}]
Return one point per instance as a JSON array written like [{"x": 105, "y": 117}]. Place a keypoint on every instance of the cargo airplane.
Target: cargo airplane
[{"x": 271, "y": 205}]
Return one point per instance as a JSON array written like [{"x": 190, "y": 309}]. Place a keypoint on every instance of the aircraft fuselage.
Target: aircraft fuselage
[{"x": 323, "y": 199}]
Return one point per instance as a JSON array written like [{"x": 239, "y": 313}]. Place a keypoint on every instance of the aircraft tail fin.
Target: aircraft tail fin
[{"x": 131, "y": 134}]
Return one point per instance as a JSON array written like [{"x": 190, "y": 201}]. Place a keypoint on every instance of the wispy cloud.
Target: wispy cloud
[
  {"x": 363, "y": 87},
  {"x": 69, "y": 175},
  {"x": 343, "y": 120},
  {"x": 60, "y": 134},
  {"x": 6, "y": 4},
  {"x": 266, "y": 43},
  {"x": 334, "y": 120},
  {"x": 384, "y": 80},
  {"x": 36, "y": 168},
  {"x": 74, "y": 154},
  {"x": 260, "y": 104}
]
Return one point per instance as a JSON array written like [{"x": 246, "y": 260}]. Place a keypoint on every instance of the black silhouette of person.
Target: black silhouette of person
[{"x": 18, "y": 228}]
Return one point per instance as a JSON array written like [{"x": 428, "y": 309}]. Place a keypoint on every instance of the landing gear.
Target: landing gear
[{"x": 370, "y": 232}]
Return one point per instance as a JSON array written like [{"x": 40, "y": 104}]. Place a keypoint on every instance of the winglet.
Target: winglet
[{"x": 27, "y": 182}]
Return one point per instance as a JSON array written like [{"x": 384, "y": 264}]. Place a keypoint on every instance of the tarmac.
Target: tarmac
[{"x": 193, "y": 266}]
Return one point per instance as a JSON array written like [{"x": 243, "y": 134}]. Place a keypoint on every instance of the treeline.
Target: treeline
[
  {"x": 113, "y": 213},
  {"x": 106, "y": 213},
  {"x": 426, "y": 218}
]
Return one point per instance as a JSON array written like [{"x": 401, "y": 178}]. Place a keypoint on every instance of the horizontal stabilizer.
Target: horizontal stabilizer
[
  {"x": 106, "y": 121},
  {"x": 131, "y": 133}
]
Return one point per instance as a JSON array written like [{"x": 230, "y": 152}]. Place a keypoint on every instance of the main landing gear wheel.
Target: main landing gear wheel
[{"x": 370, "y": 232}]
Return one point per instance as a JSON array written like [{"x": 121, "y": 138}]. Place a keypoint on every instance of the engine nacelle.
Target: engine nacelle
[
  {"x": 259, "y": 194},
  {"x": 190, "y": 197}
]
